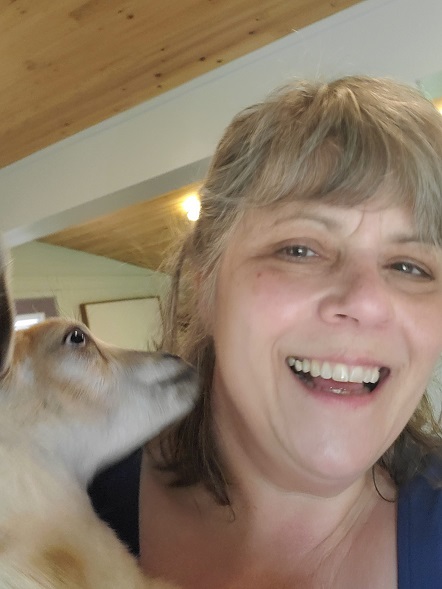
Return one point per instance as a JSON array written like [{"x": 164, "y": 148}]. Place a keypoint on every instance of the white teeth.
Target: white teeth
[
  {"x": 326, "y": 371},
  {"x": 356, "y": 374},
  {"x": 371, "y": 376},
  {"x": 305, "y": 366},
  {"x": 315, "y": 368},
  {"x": 338, "y": 372},
  {"x": 374, "y": 375}
]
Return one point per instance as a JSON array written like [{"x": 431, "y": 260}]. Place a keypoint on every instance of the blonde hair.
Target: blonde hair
[{"x": 340, "y": 143}]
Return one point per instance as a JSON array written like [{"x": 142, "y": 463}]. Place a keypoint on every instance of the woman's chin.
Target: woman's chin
[{"x": 332, "y": 474}]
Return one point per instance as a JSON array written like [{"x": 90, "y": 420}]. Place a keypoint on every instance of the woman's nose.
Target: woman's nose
[{"x": 360, "y": 294}]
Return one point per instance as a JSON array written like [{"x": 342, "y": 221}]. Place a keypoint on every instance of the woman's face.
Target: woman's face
[{"x": 310, "y": 301}]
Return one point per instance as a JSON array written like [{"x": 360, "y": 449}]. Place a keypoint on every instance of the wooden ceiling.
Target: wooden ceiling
[
  {"x": 68, "y": 65},
  {"x": 140, "y": 234}
]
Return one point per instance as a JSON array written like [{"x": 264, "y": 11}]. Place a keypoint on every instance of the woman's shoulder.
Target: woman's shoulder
[
  {"x": 419, "y": 530},
  {"x": 423, "y": 494}
]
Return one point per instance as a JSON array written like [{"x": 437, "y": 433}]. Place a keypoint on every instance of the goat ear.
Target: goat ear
[{"x": 6, "y": 315}]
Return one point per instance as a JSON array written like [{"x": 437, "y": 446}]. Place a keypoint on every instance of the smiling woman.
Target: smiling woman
[{"x": 309, "y": 297}]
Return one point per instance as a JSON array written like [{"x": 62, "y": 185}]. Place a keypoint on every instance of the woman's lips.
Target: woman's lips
[{"x": 337, "y": 378}]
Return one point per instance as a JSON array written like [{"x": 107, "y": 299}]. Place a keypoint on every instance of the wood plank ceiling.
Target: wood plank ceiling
[
  {"x": 68, "y": 65},
  {"x": 139, "y": 234}
]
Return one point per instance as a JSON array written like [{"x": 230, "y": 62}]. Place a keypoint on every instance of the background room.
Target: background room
[{"x": 112, "y": 110}]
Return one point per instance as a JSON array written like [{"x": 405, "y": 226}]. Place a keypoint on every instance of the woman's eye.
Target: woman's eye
[
  {"x": 297, "y": 251},
  {"x": 411, "y": 269}
]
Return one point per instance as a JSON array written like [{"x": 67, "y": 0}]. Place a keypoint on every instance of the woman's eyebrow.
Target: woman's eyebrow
[
  {"x": 331, "y": 223},
  {"x": 328, "y": 222},
  {"x": 412, "y": 238}
]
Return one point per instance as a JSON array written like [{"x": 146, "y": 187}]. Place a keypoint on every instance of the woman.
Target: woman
[{"x": 309, "y": 296}]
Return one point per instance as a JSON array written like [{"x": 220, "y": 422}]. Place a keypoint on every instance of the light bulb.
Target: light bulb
[{"x": 192, "y": 207}]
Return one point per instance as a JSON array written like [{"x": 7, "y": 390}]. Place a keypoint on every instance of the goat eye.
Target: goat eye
[{"x": 76, "y": 337}]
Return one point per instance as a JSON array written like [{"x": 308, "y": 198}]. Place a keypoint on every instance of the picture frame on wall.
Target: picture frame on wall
[{"x": 133, "y": 323}]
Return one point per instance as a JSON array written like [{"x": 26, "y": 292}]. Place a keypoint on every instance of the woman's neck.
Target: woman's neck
[
  {"x": 308, "y": 524},
  {"x": 276, "y": 538},
  {"x": 278, "y": 505}
]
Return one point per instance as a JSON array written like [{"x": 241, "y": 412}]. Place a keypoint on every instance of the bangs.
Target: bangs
[{"x": 337, "y": 144}]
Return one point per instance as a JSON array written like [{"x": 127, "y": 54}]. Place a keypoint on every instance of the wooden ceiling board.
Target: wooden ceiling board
[
  {"x": 68, "y": 65},
  {"x": 140, "y": 234}
]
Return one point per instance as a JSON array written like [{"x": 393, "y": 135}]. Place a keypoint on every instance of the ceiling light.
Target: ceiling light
[
  {"x": 192, "y": 207},
  {"x": 438, "y": 104},
  {"x": 431, "y": 86}
]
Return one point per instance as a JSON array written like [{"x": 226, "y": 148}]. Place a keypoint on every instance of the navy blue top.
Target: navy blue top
[
  {"x": 114, "y": 495},
  {"x": 419, "y": 534}
]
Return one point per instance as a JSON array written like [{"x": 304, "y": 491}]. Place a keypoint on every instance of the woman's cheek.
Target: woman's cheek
[{"x": 283, "y": 295}]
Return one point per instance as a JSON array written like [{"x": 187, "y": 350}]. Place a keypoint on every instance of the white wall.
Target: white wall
[
  {"x": 165, "y": 142},
  {"x": 43, "y": 270}
]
